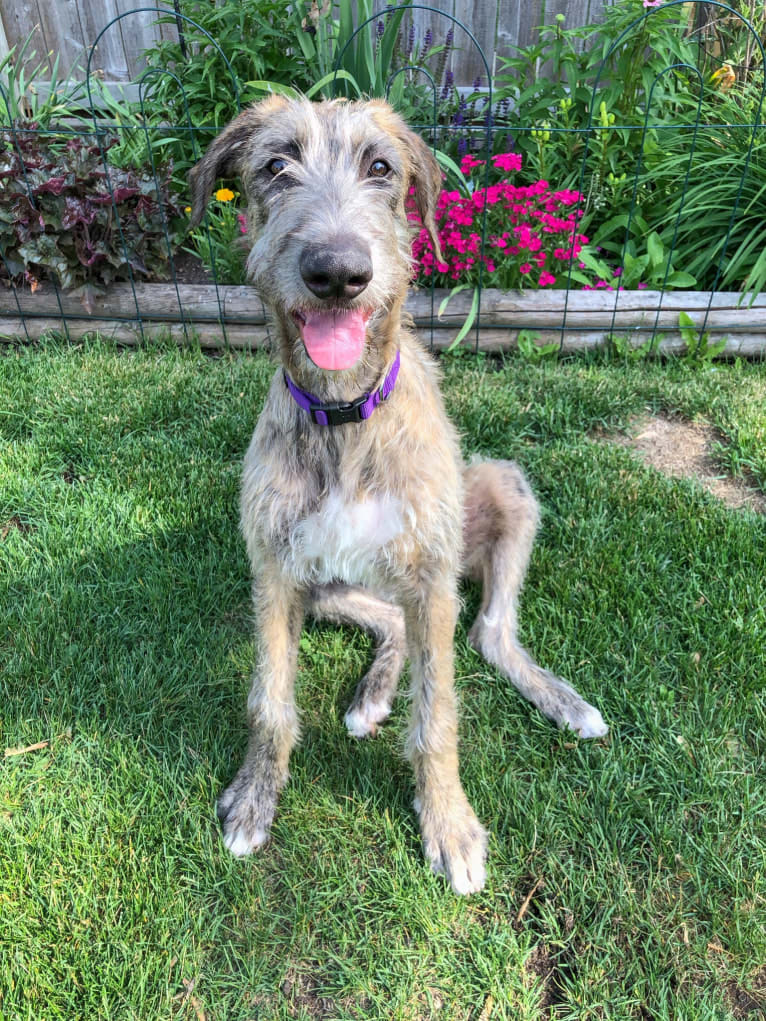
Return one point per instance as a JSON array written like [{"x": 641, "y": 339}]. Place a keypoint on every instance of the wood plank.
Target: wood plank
[
  {"x": 109, "y": 53},
  {"x": 636, "y": 310},
  {"x": 62, "y": 28},
  {"x": 208, "y": 335},
  {"x": 496, "y": 301},
  {"x": 4, "y": 44},
  {"x": 243, "y": 337},
  {"x": 139, "y": 32},
  {"x": 20, "y": 18},
  {"x": 154, "y": 301}
]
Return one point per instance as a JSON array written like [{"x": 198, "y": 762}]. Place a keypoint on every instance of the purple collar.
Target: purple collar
[{"x": 340, "y": 412}]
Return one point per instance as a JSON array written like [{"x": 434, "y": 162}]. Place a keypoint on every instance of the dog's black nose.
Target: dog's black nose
[{"x": 340, "y": 270}]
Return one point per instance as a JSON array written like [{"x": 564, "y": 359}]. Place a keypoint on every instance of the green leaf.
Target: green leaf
[
  {"x": 655, "y": 249},
  {"x": 452, "y": 168},
  {"x": 470, "y": 318},
  {"x": 340, "y": 73},
  {"x": 274, "y": 87},
  {"x": 445, "y": 301},
  {"x": 677, "y": 278}
]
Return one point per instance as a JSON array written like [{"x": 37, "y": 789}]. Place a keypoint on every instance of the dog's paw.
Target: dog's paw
[
  {"x": 585, "y": 720},
  {"x": 363, "y": 720},
  {"x": 456, "y": 849},
  {"x": 246, "y": 818}
]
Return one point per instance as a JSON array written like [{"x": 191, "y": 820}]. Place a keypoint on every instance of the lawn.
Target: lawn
[{"x": 126, "y": 646}]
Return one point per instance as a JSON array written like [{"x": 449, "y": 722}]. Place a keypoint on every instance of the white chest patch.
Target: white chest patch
[{"x": 343, "y": 539}]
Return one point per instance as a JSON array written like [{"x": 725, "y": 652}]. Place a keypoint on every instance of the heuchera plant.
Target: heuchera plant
[
  {"x": 60, "y": 221},
  {"x": 531, "y": 231}
]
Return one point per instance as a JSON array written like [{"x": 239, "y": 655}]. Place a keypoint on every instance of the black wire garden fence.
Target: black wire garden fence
[{"x": 615, "y": 197}]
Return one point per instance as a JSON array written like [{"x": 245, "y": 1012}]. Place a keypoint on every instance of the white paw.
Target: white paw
[
  {"x": 467, "y": 871},
  {"x": 241, "y": 842},
  {"x": 457, "y": 851},
  {"x": 587, "y": 722},
  {"x": 363, "y": 721}
]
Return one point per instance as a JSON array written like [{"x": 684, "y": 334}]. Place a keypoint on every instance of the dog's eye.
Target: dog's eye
[
  {"x": 276, "y": 166},
  {"x": 379, "y": 168}
]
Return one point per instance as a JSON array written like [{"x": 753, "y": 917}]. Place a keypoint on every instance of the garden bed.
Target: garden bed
[{"x": 585, "y": 319}]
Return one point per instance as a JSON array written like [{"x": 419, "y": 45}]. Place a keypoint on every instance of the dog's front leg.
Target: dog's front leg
[
  {"x": 246, "y": 808},
  {"x": 454, "y": 841}
]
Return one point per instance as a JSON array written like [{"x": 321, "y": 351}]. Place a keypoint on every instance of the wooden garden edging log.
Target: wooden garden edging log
[{"x": 588, "y": 317}]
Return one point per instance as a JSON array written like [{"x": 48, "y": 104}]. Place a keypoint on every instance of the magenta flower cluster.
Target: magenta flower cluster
[{"x": 531, "y": 230}]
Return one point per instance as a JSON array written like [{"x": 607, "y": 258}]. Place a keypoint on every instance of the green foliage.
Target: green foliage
[
  {"x": 367, "y": 55},
  {"x": 652, "y": 269},
  {"x": 34, "y": 92},
  {"x": 701, "y": 214},
  {"x": 699, "y": 352},
  {"x": 64, "y": 217},
  {"x": 532, "y": 350},
  {"x": 257, "y": 37},
  {"x": 644, "y": 153},
  {"x": 220, "y": 242},
  {"x": 624, "y": 349},
  {"x": 582, "y": 86}
]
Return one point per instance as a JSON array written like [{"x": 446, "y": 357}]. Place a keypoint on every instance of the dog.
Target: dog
[{"x": 355, "y": 503}]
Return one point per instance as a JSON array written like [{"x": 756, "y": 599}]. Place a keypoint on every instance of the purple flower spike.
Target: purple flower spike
[{"x": 449, "y": 81}]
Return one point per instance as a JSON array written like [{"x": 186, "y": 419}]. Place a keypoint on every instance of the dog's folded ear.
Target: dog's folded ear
[
  {"x": 426, "y": 178},
  {"x": 225, "y": 154}
]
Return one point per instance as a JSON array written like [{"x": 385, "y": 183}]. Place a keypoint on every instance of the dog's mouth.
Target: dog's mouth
[{"x": 333, "y": 337}]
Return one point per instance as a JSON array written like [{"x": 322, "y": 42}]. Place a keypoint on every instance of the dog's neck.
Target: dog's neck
[{"x": 347, "y": 384}]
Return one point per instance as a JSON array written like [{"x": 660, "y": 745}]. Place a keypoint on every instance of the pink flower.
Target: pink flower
[
  {"x": 468, "y": 163},
  {"x": 507, "y": 161},
  {"x": 546, "y": 279},
  {"x": 525, "y": 268}
]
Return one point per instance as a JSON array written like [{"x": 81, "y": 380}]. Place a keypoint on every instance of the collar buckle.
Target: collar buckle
[{"x": 338, "y": 412}]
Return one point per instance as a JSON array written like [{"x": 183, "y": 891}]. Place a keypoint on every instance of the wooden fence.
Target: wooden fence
[{"x": 67, "y": 29}]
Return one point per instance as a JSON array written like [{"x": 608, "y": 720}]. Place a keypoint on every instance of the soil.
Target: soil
[
  {"x": 189, "y": 269},
  {"x": 745, "y": 1004},
  {"x": 683, "y": 450}
]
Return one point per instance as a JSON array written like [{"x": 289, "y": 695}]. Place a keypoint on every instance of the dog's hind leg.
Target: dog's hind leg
[
  {"x": 500, "y": 522},
  {"x": 350, "y": 604}
]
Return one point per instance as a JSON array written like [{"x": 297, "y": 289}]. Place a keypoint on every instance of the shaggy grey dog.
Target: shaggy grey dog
[{"x": 356, "y": 505}]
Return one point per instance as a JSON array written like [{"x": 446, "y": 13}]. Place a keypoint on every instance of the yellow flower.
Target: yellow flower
[
  {"x": 724, "y": 76},
  {"x": 224, "y": 194},
  {"x": 187, "y": 210}
]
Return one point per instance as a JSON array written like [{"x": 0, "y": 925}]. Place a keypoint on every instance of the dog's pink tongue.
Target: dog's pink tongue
[{"x": 334, "y": 339}]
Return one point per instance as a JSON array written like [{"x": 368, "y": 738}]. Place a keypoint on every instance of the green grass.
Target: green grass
[{"x": 125, "y": 642}]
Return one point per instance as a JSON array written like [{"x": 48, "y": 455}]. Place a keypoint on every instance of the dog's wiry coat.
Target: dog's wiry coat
[{"x": 370, "y": 522}]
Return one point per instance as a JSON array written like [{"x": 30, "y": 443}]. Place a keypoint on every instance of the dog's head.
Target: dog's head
[{"x": 326, "y": 185}]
